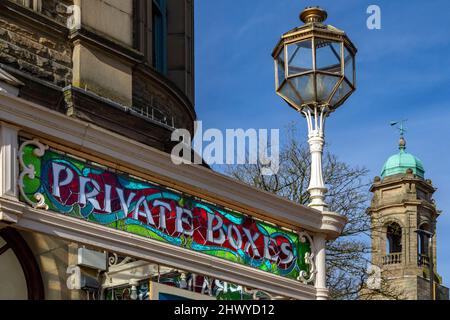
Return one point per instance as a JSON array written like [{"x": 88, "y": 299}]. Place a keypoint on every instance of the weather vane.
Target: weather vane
[{"x": 400, "y": 126}]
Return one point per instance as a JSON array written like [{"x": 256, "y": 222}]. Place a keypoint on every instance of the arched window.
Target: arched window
[
  {"x": 423, "y": 241},
  {"x": 20, "y": 278},
  {"x": 393, "y": 238}
]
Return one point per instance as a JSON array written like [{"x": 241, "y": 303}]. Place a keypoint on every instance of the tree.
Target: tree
[{"x": 348, "y": 194}]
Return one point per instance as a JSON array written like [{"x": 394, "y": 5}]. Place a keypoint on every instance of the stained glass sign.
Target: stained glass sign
[{"x": 77, "y": 188}]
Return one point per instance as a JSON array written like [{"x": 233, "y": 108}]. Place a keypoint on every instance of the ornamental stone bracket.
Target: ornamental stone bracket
[{"x": 333, "y": 224}]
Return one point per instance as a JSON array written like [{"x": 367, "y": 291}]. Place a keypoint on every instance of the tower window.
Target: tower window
[
  {"x": 423, "y": 243},
  {"x": 394, "y": 238},
  {"x": 159, "y": 32}
]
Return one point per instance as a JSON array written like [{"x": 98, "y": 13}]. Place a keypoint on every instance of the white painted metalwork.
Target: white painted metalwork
[
  {"x": 29, "y": 171},
  {"x": 315, "y": 117}
]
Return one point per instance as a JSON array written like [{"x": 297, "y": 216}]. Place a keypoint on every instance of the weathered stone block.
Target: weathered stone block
[
  {"x": 47, "y": 42},
  {"x": 63, "y": 58},
  {"x": 111, "y": 78},
  {"x": 35, "y": 52},
  {"x": 4, "y": 34},
  {"x": 116, "y": 20},
  {"x": 7, "y": 59}
]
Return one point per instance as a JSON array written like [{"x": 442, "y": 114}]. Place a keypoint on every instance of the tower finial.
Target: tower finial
[{"x": 402, "y": 128}]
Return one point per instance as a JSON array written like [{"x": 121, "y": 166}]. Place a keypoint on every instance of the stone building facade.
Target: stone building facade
[
  {"x": 100, "y": 85},
  {"x": 402, "y": 208},
  {"x": 142, "y": 85},
  {"x": 94, "y": 60}
]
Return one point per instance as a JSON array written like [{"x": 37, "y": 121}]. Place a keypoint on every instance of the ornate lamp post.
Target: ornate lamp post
[{"x": 315, "y": 74}]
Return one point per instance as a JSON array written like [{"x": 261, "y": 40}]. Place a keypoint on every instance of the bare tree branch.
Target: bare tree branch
[{"x": 347, "y": 257}]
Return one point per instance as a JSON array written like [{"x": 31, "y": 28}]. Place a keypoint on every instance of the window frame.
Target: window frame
[
  {"x": 159, "y": 35},
  {"x": 35, "y": 5},
  {"x": 394, "y": 238}
]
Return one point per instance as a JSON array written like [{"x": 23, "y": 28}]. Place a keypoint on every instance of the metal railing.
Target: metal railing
[
  {"x": 154, "y": 114},
  {"x": 393, "y": 258}
]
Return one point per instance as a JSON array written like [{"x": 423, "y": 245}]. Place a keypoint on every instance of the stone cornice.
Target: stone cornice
[
  {"x": 107, "y": 44},
  {"x": 333, "y": 223},
  {"x": 401, "y": 179},
  {"x": 403, "y": 204}
]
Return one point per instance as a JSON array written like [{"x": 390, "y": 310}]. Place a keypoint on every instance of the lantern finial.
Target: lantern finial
[{"x": 313, "y": 14}]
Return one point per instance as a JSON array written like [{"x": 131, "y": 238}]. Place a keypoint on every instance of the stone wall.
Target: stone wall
[
  {"x": 36, "y": 52},
  {"x": 180, "y": 45},
  {"x": 99, "y": 59},
  {"x": 56, "y": 10}
]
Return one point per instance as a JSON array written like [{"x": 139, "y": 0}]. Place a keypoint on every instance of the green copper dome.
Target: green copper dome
[{"x": 401, "y": 162}]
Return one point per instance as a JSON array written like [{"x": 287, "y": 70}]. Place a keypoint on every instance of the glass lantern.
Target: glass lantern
[{"x": 315, "y": 64}]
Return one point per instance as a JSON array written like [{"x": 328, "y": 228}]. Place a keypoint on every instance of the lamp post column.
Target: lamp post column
[
  {"x": 315, "y": 117},
  {"x": 316, "y": 139},
  {"x": 317, "y": 188},
  {"x": 321, "y": 278}
]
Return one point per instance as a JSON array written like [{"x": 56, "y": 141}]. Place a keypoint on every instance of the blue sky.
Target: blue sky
[{"x": 403, "y": 72}]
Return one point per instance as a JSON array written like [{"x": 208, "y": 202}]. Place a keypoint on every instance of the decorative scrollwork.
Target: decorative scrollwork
[
  {"x": 30, "y": 172},
  {"x": 113, "y": 260},
  {"x": 308, "y": 277},
  {"x": 258, "y": 294}
]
